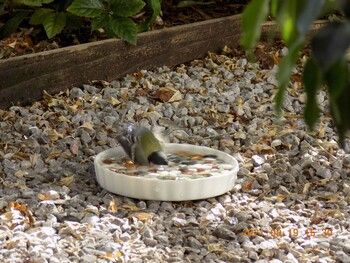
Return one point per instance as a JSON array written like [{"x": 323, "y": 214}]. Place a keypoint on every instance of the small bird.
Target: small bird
[{"x": 142, "y": 146}]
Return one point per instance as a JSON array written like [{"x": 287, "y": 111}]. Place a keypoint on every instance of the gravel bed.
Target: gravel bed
[{"x": 290, "y": 202}]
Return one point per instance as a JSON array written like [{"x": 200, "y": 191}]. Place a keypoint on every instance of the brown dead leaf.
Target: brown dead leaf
[
  {"x": 24, "y": 211},
  {"x": 131, "y": 207},
  {"x": 46, "y": 95},
  {"x": 322, "y": 131},
  {"x": 306, "y": 188},
  {"x": 101, "y": 83},
  {"x": 34, "y": 158},
  {"x": 41, "y": 197},
  {"x": 20, "y": 173},
  {"x": 114, "y": 101},
  {"x": 124, "y": 93},
  {"x": 87, "y": 125},
  {"x": 63, "y": 119},
  {"x": 332, "y": 198},
  {"x": 315, "y": 218},
  {"x": 113, "y": 256},
  {"x": 168, "y": 94},
  {"x": 248, "y": 185},
  {"x": 270, "y": 134},
  {"x": 20, "y": 155},
  {"x": 334, "y": 213},
  {"x": 280, "y": 198},
  {"x": 296, "y": 77},
  {"x": 276, "y": 59},
  {"x": 53, "y": 134},
  {"x": 113, "y": 206},
  {"x": 215, "y": 247},
  {"x": 12, "y": 244},
  {"x": 66, "y": 180},
  {"x": 262, "y": 148},
  {"x": 227, "y": 143},
  {"x": 54, "y": 154},
  {"x": 240, "y": 102},
  {"x": 142, "y": 216}
]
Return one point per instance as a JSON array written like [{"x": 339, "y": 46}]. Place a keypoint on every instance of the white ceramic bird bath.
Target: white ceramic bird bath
[{"x": 178, "y": 189}]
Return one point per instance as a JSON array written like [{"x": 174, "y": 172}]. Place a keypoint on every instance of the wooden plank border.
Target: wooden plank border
[{"x": 22, "y": 79}]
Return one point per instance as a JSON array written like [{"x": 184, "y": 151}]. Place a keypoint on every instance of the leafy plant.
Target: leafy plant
[
  {"x": 327, "y": 64},
  {"x": 50, "y": 14},
  {"x": 55, "y": 15},
  {"x": 114, "y": 15}
]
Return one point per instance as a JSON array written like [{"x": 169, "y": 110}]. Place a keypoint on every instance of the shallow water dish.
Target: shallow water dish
[{"x": 166, "y": 190}]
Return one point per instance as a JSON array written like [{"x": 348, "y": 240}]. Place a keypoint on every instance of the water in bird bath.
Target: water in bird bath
[{"x": 182, "y": 166}]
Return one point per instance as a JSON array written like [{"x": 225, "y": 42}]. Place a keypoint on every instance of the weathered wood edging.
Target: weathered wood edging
[{"x": 22, "y": 79}]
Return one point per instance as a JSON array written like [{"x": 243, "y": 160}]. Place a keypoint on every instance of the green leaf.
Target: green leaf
[
  {"x": 345, "y": 7},
  {"x": 100, "y": 21},
  {"x": 330, "y": 43},
  {"x": 312, "y": 78},
  {"x": 155, "y": 6},
  {"x": 341, "y": 113},
  {"x": 310, "y": 11},
  {"x": 274, "y": 7},
  {"x": 31, "y": 2},
  {"x": 124, "y": 28},
  {"x": 126, "y": 8},
  {"x": 337, "y": 77},
  {"x": 253, "y": 16},
  {"x": 54, "y": 24},
  {"x": 39, "y": 16},
  {"x": 73, "y": 21},
  {"x": 286, "y": 19},
  {"x": 2, "y": 6},
  {"x": 284, "y": 71},
  {"x": 13, "y": 23},
  {"x": 89, "y": 8}
]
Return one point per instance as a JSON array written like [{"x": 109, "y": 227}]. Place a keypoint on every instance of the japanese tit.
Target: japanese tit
[{"x": 142, "y": 146}]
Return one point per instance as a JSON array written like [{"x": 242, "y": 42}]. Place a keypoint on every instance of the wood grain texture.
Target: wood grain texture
[{"x": 22, "y": 79}]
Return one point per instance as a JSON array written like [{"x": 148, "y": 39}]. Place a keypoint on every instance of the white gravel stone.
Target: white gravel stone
[{"x": 53, "y": 210}]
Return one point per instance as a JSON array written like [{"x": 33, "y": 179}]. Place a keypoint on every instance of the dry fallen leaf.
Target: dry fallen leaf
[
  {"x": 142, "y": 216},
  {"x": 66, "y": 180},
  {"x": 12, "y": 244},
  {"x": 113, "y": 206},
  {"x": 20, "y": 173},
  {"x": 24, "y": 211},
  {"x": 280, "y": 198},
  {"x": 34, "y": 158},
  {"x": 54, "y": 154},
  {"x": 114, "y": 101},
  {"x": 63, "y": 119},
  {"x": 306, "y": 188},
  {"x": 131, "y": 207},
  {"x": 168, "y": 94},
  {"x": 87, "y": 125},
  {"x": 112, "y": 256},
  {"x": 53, "y": 134},
  {"x": 262, "y": 148},
  {"x": 248, "y": 185}
]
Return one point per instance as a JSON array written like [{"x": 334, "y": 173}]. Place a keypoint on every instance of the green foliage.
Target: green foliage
[
  {"x": 251, "y": 22},
  {"x": 114, "y": 15},
  {"x": 327, "y": 64},
  {"x": 155, "y": 7},
  {"x": 55, "y": 15}
]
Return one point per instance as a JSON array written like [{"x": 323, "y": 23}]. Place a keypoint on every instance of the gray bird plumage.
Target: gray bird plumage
[{"x": 141, "y": 145}]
